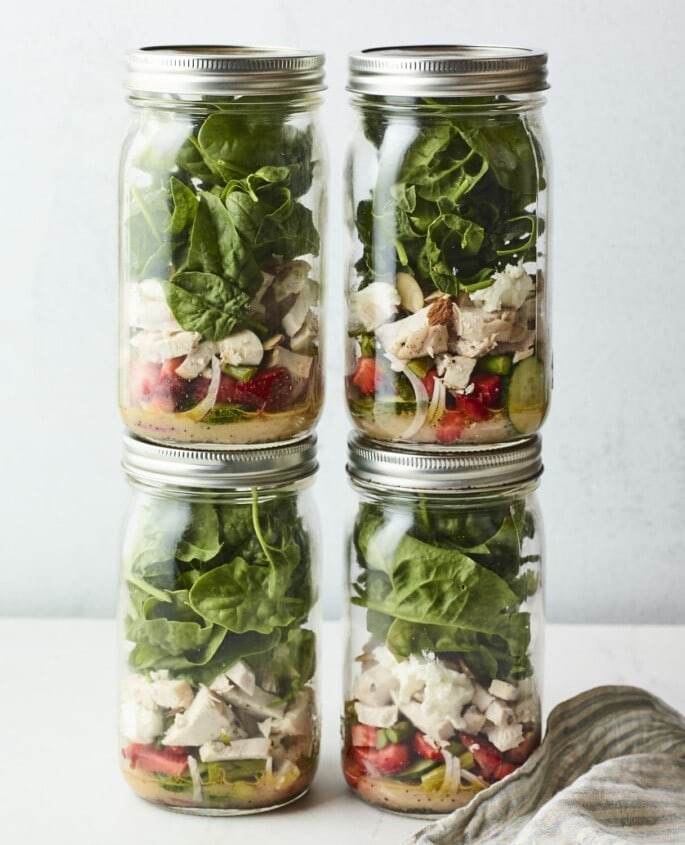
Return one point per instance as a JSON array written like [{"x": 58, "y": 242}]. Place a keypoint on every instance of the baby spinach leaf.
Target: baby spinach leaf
[
  {"x": 236, "y": 596},
  {"x": 205, "y": 303},
  {"x": 184, "y": 206},
  {"x": 200, "y": 540}
]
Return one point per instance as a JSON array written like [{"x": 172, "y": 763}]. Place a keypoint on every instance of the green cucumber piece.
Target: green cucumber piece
[
  {"x": 240, "y": 373},
  {"x": 500, "y": 365},
  {"x": 526, "y": 396},
  {"x": 416, "y": 770},
  {"x": 421, "y": 366}
]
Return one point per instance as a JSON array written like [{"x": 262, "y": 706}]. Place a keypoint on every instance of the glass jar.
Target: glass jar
[
  {"x": 445, "y": 623},
  {"x": 221, "y": 257},
  {"x": 448, "y": 221},
  {"x": 218, "y": 705}
]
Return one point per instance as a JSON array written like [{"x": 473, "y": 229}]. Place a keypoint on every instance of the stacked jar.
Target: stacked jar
[
  {"x": 221, "y": 276},
  {"x": 448, "y": 382}
]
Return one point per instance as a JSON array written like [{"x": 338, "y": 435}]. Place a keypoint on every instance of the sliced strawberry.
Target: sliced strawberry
[
  {"x": 364, "y": 735},
  {"x": 351, "y": 771},
  {"x": 392, "y": 758},
  {"x": 367, "y": 376},
  {"x": 472, "y": 408},
  {"x": 170, "y": 366},
  {"x": 487, "y": 389},
  {"x": 484, "y": 753},
  {"x": 423, "y": 747},
  {"x": 143, "y": 379},
  {"x": 269, "y": 390},
  {"x": 226, "y": 389},
  {"x": 503, "y": 769},
  {"x": 450, "y": 426},
  {"x": 168, "y": 761}
]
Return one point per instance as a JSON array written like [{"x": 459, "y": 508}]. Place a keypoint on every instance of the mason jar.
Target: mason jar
[
  {"x": 218, "y": 704},
  {"x": 222, "y": 197},
  {"x": 445, "y": 623},
  {"x": 447, "y": 211}
]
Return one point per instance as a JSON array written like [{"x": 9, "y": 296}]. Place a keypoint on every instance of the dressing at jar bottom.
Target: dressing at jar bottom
[{"x": 162, "y": 427}]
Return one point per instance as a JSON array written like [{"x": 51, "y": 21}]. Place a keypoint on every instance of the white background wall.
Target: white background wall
[{"x": 613, "y": 494}]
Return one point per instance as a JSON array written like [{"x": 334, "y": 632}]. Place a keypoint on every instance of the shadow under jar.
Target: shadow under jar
[
  {"x": 218, "y": 704},
  {"x": 447, "y": 213},
  {"x": 445, "y": 623},
  {"x": 221, "y": 270}
]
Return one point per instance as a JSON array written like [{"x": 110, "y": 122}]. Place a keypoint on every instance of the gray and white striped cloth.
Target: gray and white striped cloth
[{"x": 611, "y": 769}]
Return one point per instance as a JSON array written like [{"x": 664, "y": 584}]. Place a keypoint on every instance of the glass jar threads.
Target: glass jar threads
[
  {"x": 218, "y": 705},
  {"x": 221, "y": 270},
  {"x": 445, "y": 618},
  {"x": 447, "y": 212}
]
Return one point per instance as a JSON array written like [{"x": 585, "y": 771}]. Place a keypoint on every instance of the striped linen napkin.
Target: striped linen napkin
[{"x": 611, "y": 769}]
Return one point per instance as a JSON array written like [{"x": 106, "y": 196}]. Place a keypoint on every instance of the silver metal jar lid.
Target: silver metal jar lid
[
  {"x": 447, "y": 70},
  {"x": 223, "y": 70},
  {"x": 167, "y": 466},
  {"x": 479, "y": 468}
]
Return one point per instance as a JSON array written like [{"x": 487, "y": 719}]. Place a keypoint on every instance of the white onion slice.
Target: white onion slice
[
  {"x": 419, "y": 392},
  {"x": 436, "y": 408},
  {"x": 196, "y": 779},
  {"x": 452, "y": 779},
  {"x": 205, "y": 406}
]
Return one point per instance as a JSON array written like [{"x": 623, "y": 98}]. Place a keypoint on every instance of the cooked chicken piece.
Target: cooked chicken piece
[{"x": 413, "y": 337}]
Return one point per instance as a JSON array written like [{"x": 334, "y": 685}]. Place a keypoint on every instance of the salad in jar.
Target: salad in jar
[
  {"x": 217, "y": 709},
  {"x": 221, "y": 291},
  {"x": 444, "y": 696},
  {"x": 447, "y": 333}
]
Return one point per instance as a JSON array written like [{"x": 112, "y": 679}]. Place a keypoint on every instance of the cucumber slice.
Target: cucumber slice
[
  {"x": 500, "y": 365},
  {"x": 416, "y": 770},
  {"x": 240, "y": 373},
  {"x": 526, "y": 397}
]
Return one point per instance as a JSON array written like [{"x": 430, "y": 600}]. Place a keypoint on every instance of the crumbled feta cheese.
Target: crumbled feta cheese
[
  {"x": 510, "y": 289},
  {"x": 373, "y": 305},
  {"x": 441, "y": 693},
  {"x": 505, "y": 737}
]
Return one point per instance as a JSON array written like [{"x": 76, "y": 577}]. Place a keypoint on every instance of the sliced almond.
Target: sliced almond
[
  {"x": 441, "y": 312},
  {"x": 272, "y": 342},
  {"x": 411, "y": 295}
]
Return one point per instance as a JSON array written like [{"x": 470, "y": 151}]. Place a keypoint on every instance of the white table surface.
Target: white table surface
[{"x": 59, "y": 777}]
